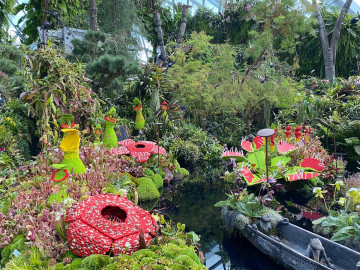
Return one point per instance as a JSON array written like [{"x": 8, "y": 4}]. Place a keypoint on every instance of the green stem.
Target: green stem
[
  {"x": 327, "y": 208},
  {"x": 334, "y": 199}
]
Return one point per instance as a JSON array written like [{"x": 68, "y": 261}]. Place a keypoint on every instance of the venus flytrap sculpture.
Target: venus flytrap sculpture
[{"x": 286, "y": 160}]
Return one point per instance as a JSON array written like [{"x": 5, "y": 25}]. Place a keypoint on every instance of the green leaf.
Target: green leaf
[
  {"x": 258, "y": 158},
  {"x": 162, "y": 219},
  {"x": 193, "y": 236},
  {"x": 342, "y": 234},
  {"x": 357, "y": 149},
  {"x": 282, "y": 159},
  {"x": 180, "y": 227},
  {"x": 222, "y": 203}
]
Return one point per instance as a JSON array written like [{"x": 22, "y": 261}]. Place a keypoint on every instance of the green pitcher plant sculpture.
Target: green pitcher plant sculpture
[
  {"x": 109, "y": 138},
  {"x": 70, "y": 147},
  {"x": 139, "y": 120}
]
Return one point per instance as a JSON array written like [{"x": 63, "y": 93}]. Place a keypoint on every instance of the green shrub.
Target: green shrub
[
  {"x": 162, "y": 174},
  {"x": 184, "y": 172},
  {"x": 59, "y": 266},
  {"x": 191, "y": 254},
  {"x": 149, "y": 173},
  {"x": 76, "y": 263},
  {"x": 158, "y": 180},
  {"x": 17, "y": 244},
  {"x": 95, "y": 261},
  {"x": 142, "y": 253},
  {"x": 111, "y": 266},
  {"x": 179, "y": 267}
]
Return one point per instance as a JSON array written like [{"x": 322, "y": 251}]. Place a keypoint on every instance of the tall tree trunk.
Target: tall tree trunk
[
  {"x": 185, "y": 11},
  {"x": 160, "y": 38},
  {"x": 44, "y": 19},
  {"x": 93, "y": 15},
  {"x": 329, "y": 50},
  {"x": 114, "y": 14}
]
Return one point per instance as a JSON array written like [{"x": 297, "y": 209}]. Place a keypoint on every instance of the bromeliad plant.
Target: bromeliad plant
[
  {"x": 247, "y": 204},
  {"x": 56, "y": 85},
  {"x": 293, "y": 156}
]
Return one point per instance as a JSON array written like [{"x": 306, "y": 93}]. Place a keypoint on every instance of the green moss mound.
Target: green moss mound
[
  {"x": 158, "y": 267},
  {"x": 76, "y": 263},
  {"x": 147, "y": 189},
  {"x": 142, "y": 253},
  {"x": 179, "y": 267},
  {"x": 184, "y": 172},
  {"x": 170, "y": 253},
  {"x": 162, "y": 174},
  {"x": 96, "y": 261},
  {"x": 59, "y": 266},
  {"x": 158, "y": 181},
  {"x": 149, "y": 173},
  {"x": 111, "y": 266}
]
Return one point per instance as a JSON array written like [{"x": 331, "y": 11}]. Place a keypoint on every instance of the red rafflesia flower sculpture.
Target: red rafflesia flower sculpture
[
  {"x": 140, "y": 150},
  {"x": 107, "y": 222}
]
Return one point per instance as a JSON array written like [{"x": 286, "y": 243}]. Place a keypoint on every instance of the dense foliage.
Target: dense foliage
[
  {"x": 56, "y": 87},
  {"x": 247, "y": 67}
]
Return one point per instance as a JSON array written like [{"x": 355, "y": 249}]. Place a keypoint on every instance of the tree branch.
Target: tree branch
[
  {"x": 322, "y": 31},
  {"x": 336, "y": 33},
  {"x": 258, "y": 58}
]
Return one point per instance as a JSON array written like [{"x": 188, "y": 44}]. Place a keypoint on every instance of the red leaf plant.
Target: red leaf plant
[{"x": 107, "y": 222}]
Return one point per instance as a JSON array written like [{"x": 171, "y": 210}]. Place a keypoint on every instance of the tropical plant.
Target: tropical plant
[
  {"x": 192, "y": 146},
  {"x": 344, "y": 228},
  {"x": 347, "y": 50},
  {"x": 11, "y": 81},
  {"x": 247, "y": 204},
  {"x": 6, "y": 8},
  {"x": 205, "y": 81},
  {"x": 55, "y": 87},
  {"x": 16, "y": 134},
  {"x": 109, "y": 62},
  {"x": 329, "y": 48},
  {"x": 70, "y": 14}
]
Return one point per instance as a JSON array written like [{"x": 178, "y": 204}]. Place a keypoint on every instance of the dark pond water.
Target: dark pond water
[{"x": 222, "y": 250}]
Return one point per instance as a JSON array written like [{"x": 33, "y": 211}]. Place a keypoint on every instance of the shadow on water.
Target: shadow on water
[{"x": 222, "y": 251}]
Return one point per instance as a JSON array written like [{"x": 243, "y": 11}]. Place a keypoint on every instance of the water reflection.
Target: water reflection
[{"x": 222, "y": 251}]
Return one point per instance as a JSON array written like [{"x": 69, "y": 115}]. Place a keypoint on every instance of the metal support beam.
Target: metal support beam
[
  {"x": 215, "y": 3},
  {"x": 196, "y": 3}
]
